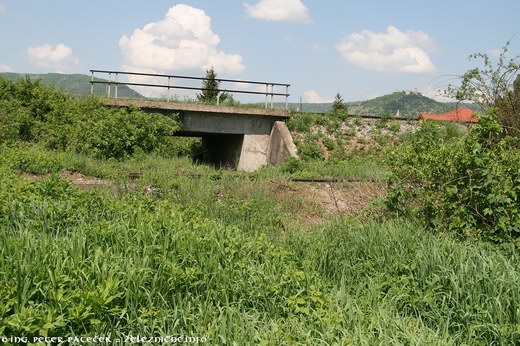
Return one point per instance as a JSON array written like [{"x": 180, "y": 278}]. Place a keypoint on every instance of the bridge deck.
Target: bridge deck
[{"x": 194, "y": 107}]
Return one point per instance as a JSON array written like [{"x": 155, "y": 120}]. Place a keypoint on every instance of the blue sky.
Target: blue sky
[{"x": 362, "y": 49}]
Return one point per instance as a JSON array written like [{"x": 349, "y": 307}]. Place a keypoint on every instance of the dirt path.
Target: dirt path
[
  {"x": 74, "y": 177},
  {"x": 349, "y": 198}
]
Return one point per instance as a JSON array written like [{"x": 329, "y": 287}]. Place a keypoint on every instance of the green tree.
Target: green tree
[
  {"x": 339, "y": 104},
  {"x": 211, "y": 88}
]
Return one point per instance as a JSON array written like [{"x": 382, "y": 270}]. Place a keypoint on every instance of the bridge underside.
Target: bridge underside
[
  {"x": 245, "y": 143},
  {"x": 240, "y": 138}
]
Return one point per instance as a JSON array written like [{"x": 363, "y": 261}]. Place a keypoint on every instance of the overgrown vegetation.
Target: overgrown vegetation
[
  {"x": 31, "y": 112},
  {"x": 214, "y": 259},
  {"x": 180, "y": 249},
  {"x": 468, "y": 185}
]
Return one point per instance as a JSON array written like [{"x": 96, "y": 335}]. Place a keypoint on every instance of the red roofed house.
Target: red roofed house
[{"x": 462, "y": 114}]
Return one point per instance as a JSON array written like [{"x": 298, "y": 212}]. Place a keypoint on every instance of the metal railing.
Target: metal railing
[{"x": 171, "y": 82}]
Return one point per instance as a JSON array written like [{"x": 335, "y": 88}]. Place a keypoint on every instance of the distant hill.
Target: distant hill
[
  {"x": 76, "y": 84},
  {"x": 409, "y": 105}
]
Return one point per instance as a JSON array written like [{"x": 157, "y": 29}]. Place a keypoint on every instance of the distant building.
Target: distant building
[{"x": 462, "y": 114}]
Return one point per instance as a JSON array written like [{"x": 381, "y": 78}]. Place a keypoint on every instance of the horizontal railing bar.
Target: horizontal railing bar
[
  {"x": 186, "y": 77},
  {"x": 188, "y": 88}
]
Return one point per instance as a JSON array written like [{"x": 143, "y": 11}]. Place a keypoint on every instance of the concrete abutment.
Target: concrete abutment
[{"x": 251, "y": 151}]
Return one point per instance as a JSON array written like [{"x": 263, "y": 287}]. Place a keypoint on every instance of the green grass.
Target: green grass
[
  {"x": 461, "y": 292},
  {"x": 211, "y": 253},
  {"x": 80, "y": 262}
]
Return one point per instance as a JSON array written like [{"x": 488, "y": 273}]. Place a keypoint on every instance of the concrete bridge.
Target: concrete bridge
[{"x": 236, "y": 137}]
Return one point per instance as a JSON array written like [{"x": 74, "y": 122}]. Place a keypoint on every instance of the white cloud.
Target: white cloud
[
  {"x": 59, "y": 58},
  {"x": 5, "y": 68},
  {"x": 311, "y": 96},
  {"x": 292, "y": 11},
  {"x": 3, "y": 8},
  {"x": 392, "y": 50},
  {"x": 183, "y": 40}
]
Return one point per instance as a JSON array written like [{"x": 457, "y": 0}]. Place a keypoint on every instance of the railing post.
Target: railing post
[
  {"x": 109, "y": 91},
  {"x": 272, "y": 95},
  {"x": 286, "y": 97},
  {"x": 92, "y": 84},
  {"x": 266, "y": 94},
  {"x": 168, "y": 95},
  {"x": 116, "y": 85}
]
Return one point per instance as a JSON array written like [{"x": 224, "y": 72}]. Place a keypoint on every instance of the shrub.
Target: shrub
[
  {"x": 291, "y": 165},
  {"x": 27, "y": 108},
  {"x": 383, "y": 120},
  {"x": 32, "y": 113},
  {"x": 119, "y": 133},
  {"x": 394, "y": 126},
  {"x": 329, "y": 143},
  {"x": 32, "y": 159},
  {"x": 469, "y": 186},
  {"x": 302, "y": 122},
  {"x": 15, "y": 122},
  {"x": 310, "y": 150}
]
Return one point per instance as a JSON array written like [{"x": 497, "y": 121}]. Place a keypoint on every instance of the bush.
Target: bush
[
  {"x": 31, "y": 159},
  {"x": 30, "y": 112},
  {"x": 310, "y": 150},
  {"x": 394, "y": 126},
  {"x": 26, "y": 106},
  {"x": 329, "y": 143},
  {"x": 469, "y": 186},
  {"x": 302, "y": 122},
  {"x": 119, "y": 133},
  {"x": 15, "y": 122},
  {"x": 291, "y": 165}
]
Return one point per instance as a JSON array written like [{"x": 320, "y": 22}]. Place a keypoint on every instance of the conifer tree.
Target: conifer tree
[
  {"x": 211, "y": 88},
  {"x": 339, "y": 104}
]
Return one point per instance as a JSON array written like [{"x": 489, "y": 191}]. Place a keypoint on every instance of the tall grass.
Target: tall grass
[
  {"x": 212, "y": 257},
  {"x": 88, "y": 263},
  {"x": 464, "y": 291}
]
